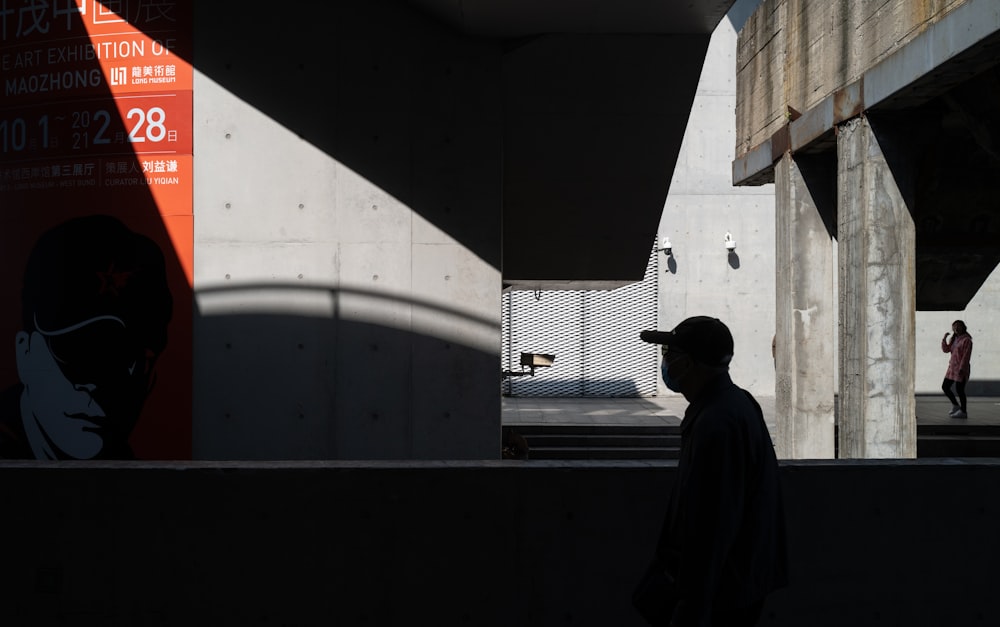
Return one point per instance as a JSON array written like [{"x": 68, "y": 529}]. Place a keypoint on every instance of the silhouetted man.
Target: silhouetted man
[
  {"x": 723, "y": 539},
  {"x": 95, "y": 308}
]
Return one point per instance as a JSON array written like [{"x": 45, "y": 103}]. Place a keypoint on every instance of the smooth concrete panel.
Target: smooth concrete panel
[
  {"x": 274, "y": 369},
  {"x": 255, "y": 179},
  {"x": 320, "y": 142},
  {"x": 235, "y": 264},
  {"x": 378, "y": 267},
  {"x": 455, "y": 297},
  {"x": 368, "y": 213},
  {"x": 702, "y": 206},
  {"x": 707, "y": 145},
  {"x": 372, "y": 392},
  {"x": 454, "y": 290},
  {"x": 707, "y": 149},
  {"x": 450, "y": 421},
  {"x": 703, "y": 278},
  {"x": 458, "y": 174},
  {"x": 721, "y": 54}
]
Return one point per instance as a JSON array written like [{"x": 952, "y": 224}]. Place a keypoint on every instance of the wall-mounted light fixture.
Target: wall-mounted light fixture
[
  {"x": 532, "y": 361},
  {"x": 730, "y": 243},
  {"x": 665, "y": 246}
]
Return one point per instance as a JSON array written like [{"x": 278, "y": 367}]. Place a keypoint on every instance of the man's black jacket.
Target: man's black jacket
[{"x": 724, "y": 534}]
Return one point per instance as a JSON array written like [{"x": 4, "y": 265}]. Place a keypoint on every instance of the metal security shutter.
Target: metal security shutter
[{"x": 594, "y": 335}]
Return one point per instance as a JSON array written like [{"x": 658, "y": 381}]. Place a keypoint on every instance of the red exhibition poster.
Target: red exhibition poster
[{"x": 96, "y": 229}]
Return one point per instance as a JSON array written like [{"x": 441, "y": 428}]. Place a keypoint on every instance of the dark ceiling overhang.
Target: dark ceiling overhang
[
  {"x": 523, "y": 18},
  {"x": 596, "y": 98}
]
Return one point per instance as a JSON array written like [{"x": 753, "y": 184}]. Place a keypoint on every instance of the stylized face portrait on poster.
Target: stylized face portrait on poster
[{"x": 96, "y": 230}]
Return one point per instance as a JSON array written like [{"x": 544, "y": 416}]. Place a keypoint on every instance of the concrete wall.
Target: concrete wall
[
  {"x": 462, "y": 543},
  {"x": 701, "y": 278},
  {"x": 347, "y": 234}
]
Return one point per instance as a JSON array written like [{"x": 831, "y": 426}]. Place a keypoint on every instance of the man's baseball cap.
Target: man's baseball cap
[
  {"x": 706, "y": 339},
  {"x": 92, "y": 270}
]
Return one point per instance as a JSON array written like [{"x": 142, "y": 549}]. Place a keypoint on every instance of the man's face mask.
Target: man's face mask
[{"x": 669, "y": 357}]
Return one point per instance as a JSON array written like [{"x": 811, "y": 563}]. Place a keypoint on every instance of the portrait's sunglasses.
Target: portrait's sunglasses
[{"x": 103, "y": 353}]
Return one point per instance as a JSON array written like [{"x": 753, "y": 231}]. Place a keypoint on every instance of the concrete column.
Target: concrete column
[
  {"x": 876, "y": 237},
  {"x": 805, "y": 313}
]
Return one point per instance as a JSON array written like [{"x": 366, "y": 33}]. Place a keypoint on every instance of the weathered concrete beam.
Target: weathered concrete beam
[{"x": 948, "y": 51}]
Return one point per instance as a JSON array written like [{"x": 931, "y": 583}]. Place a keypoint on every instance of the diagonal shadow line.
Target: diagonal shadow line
[{"x": 420, "y": 111}]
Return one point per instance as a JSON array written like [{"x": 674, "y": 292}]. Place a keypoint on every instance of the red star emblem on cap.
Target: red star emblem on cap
[{"x": 112, "y": 280}]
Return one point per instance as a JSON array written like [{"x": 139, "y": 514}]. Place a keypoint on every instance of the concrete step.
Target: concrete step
[
  {"x": 958, "y": 446},
  {"x": 958, "y": 427},
  {"x": 567, "y": 441},
  {"x": 612, "y": 440},
  {"x": 526, "y": 429},
  {"x": 554, "y": 441},
  {"x": 603, "y": 452}
]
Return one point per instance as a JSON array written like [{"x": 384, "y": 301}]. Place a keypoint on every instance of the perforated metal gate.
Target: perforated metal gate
[{"x": 594, "y": 335}]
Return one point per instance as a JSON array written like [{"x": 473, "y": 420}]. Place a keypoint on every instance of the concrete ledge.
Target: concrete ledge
[
  {"x": 756, "y": 167},
  {"x": 482, "y": 543},
  {"x": 69, "y": 468},
  {"x": 964, "y": 28}
]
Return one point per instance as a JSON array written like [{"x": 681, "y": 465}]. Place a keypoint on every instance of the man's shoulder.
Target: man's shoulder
[
  {"x": 731, "y": 397},
  {"x": 729, "y": 407}
]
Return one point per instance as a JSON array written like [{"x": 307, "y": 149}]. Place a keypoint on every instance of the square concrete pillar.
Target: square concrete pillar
[
  {"x": 876, "y": 238},
  {"x": 805, "y": 314}
]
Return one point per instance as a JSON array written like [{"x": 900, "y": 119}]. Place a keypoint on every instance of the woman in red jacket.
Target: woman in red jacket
[{"x": 959, "y": 367}]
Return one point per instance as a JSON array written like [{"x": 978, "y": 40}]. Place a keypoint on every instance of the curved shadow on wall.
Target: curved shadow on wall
[{"x": 332, "y": 381}]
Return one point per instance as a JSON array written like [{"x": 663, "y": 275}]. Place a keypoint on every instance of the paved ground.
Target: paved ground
[
  {"x": 596, "y": 411},
  {"x": 931, "y": 410}
]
